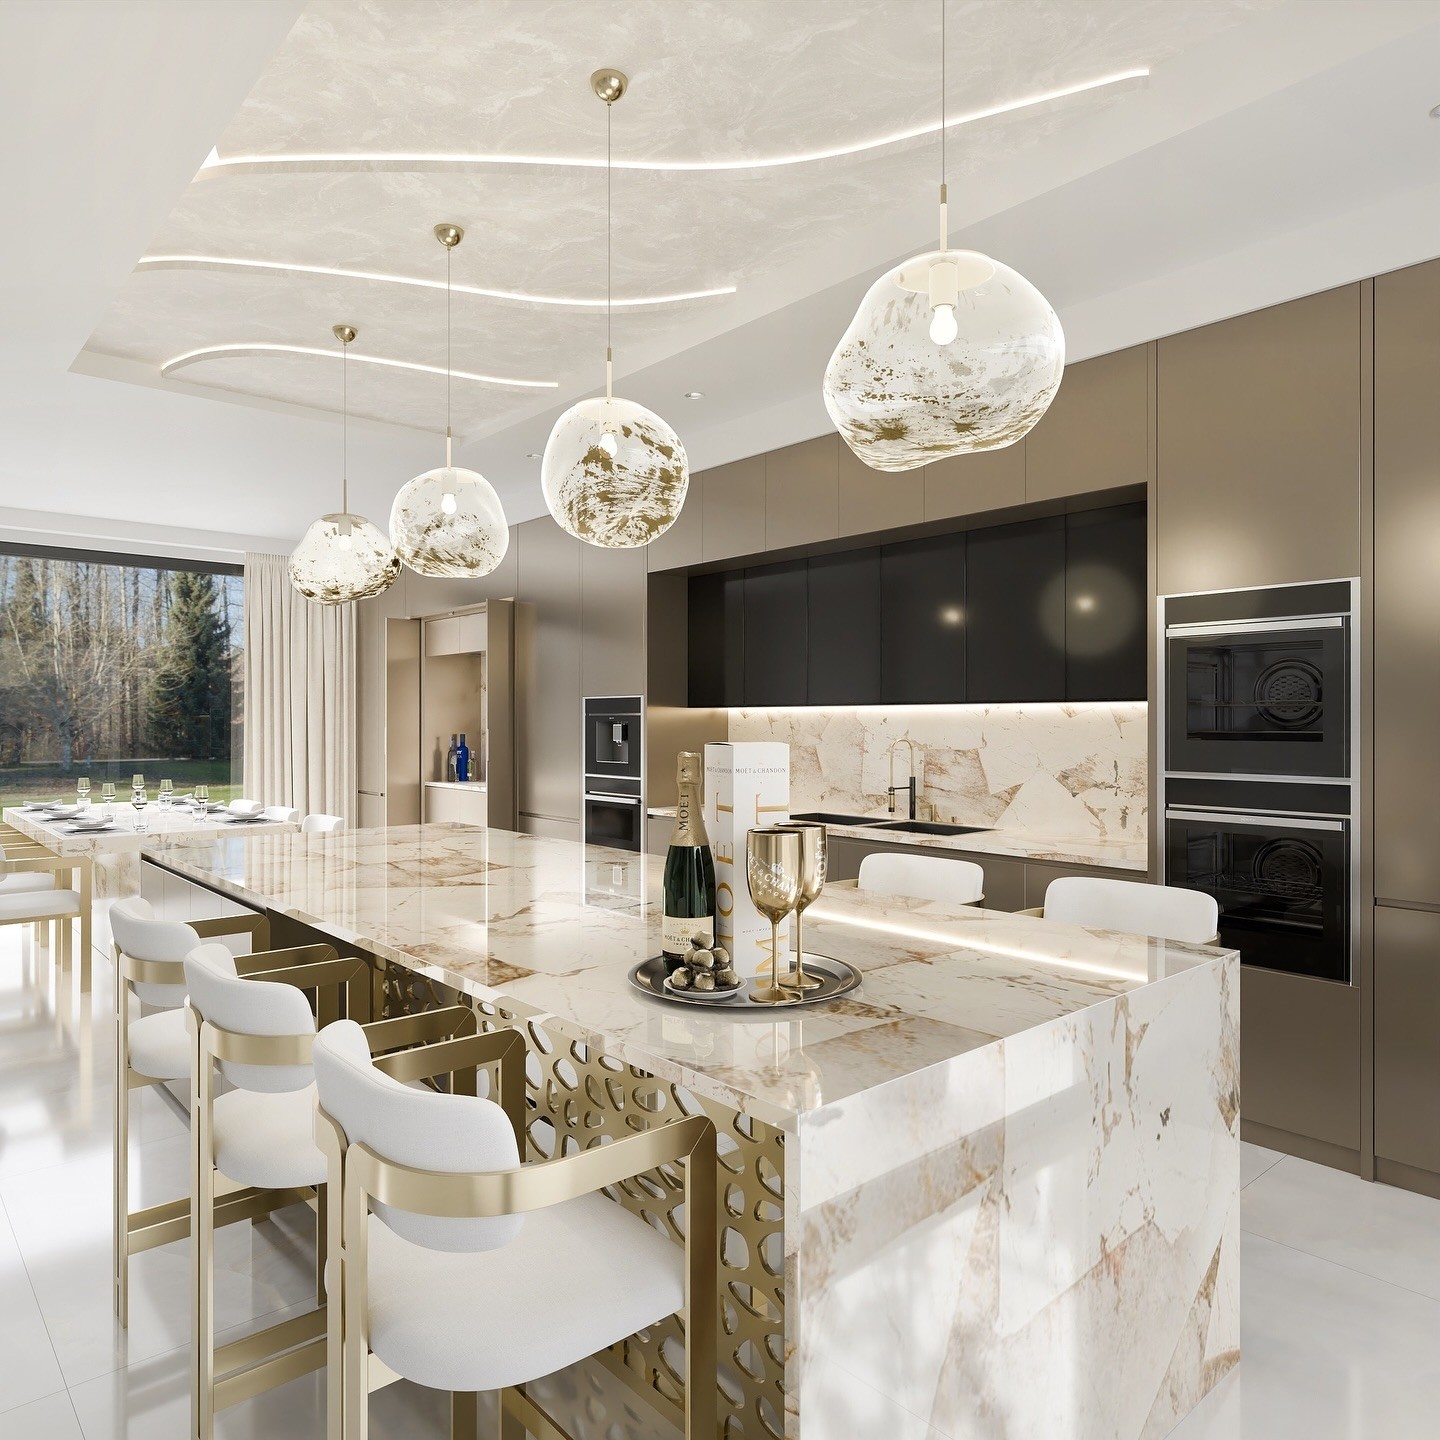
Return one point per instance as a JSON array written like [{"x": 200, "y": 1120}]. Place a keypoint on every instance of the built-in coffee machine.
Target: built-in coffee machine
[{"x": 614, "y": 804}]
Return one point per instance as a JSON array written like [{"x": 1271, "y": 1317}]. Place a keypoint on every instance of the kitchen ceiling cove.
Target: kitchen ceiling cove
[{"x": 754, "y": 136}]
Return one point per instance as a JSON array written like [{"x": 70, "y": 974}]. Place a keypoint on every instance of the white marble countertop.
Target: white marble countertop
[
  {"x": 550, "y": 929},
  {"x": 1020, "y": 844},
  {"x": 456, "y": 785}
]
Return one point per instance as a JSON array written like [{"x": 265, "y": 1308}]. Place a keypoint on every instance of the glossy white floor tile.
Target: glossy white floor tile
[{"x": 1340, "y": 1283}]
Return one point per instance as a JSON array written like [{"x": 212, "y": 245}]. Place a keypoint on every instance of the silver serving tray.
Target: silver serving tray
[{"x": 836, "y": 977}]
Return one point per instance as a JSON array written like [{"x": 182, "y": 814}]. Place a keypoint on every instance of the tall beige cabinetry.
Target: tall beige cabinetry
[
  {"x": 1406, "y": 614},
  {"x": 1261, "y": 424}
]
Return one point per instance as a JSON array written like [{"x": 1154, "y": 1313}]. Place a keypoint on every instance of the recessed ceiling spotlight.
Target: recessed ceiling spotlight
[
  {"x": 532, "y": 454},
  {"x": 1435, "y": 112},
  {"x": 694, "y": 394}
]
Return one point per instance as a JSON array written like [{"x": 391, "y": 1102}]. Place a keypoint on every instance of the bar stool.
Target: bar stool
[
  {"x": 922, "y": 877},
  {"x": 30, "y": 894},
  {"x": 464, "y": 1270},
  {"x": 1168, "y": 912},
  {"x": 155, "y": 1049},
  {"x": 253, "y": 1148},
  {"x": 322, "y": 825},
  {"x": 288, "y": 813}
]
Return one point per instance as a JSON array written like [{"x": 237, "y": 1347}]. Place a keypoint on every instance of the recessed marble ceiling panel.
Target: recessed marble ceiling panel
[{"x": 712, "y": 81}]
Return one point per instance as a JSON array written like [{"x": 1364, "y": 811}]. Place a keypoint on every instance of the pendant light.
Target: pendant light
[
  {"x": 949, "y": 352},
  {"x": 449, "y": 521},
  {"x": 343, "y": 557},
  {"x": 614, "y": 474}
]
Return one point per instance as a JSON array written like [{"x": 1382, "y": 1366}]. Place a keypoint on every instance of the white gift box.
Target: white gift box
[{"x": 746, "y": 784}]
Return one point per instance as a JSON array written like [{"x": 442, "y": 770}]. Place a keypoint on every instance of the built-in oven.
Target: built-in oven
[
  {"x": 1258, "y": 683},
  {"x": 1277, "y": 859},
  {"x": 614, "y": 758}
]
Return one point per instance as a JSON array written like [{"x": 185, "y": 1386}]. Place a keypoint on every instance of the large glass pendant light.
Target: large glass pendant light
[
  {"x": 949, "y": 352},
  {"x": 449, "y": 521},
  {"x": 614, "y": 473},
  {"x": 343, "y": 557}
]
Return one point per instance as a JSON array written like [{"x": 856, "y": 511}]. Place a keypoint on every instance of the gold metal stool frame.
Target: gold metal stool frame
[
  {"x": 280, "y": 1353},
  {"x": 356, "y": 1175},
  {"x": 24, "y": 857}
]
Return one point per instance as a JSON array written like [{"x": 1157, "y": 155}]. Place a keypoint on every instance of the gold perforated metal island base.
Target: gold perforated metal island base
[{"x": 578, "y": 1098}]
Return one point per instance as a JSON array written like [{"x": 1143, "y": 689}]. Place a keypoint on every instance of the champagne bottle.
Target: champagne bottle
[{"x": 689, "y": 871}]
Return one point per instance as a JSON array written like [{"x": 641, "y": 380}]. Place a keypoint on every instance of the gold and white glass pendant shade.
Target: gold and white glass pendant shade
[
  {"x": 614, "y": 474},
  {"x": 949, "y": 353},
  {"x": 343, "y": 557},
  {"x": 449, "y": 521}
]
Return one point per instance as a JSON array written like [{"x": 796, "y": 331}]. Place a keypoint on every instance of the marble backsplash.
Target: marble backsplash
[{"x": 1064, "y": 770}]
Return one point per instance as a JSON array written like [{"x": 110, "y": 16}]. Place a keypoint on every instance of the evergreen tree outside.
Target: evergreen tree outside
[{"x": 189, "y": 691}]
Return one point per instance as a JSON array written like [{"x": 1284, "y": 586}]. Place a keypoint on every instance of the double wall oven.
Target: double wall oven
[
  {"x": 1258, "y": 726},
  {"x": 614, "y": 772}
]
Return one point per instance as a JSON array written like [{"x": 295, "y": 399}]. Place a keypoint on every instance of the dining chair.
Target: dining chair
[
  {"x": 154, "y": 1048},
  {"x": 462, "y": 1269},
  {"x": 1168, "y": 912},
  {"x": 253, "y": 1148},
  {"x": 286, "y": 813},
  {"x": 30, "y": 894},
  {"x": 922, "y": 877},
  {"x": 322, "y": 825}
]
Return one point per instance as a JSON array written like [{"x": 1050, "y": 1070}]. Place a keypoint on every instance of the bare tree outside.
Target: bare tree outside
[{"x": 106, "y": 668}]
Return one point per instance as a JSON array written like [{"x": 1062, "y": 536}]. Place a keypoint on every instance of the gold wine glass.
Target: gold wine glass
[
  {"x": 772, "y": 872},
  {"x": 813, "y": 859}
]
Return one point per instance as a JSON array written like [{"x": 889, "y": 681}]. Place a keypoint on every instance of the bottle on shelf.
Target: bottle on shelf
[
  {"x": 689, "y": 885},
  {"x": 462, "y": 759},
  {"x": 450, "y": 759}
]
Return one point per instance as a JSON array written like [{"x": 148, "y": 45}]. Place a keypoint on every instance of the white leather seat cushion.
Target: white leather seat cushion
[
  {"x": 160, "y": 1045},
  {"x": 577, "y": 1278},
  {"x": 26, "y": 882},
  {"x": 268, "y": 1138},
  {"x": 39, "y": 904}
]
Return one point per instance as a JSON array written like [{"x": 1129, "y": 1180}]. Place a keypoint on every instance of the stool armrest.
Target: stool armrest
[
  {"x": 461, "y": 1059},
  {"x": 46, "y": 860},
  {"x": 422, "y": 1029},
  {"x": 493, "y": 1193},
  {"x": 257, "y": 925},
  {"x": 279, "y": 964}
]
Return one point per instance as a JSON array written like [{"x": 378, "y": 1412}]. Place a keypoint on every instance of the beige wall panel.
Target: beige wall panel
[
  {"x": 1407, "y": 1037},
  {"x": 733, "y": 509},
  {"x": 801, "y": 493},
  {"x": 973, "y": 484},
  {"x": 612, "y": 621},
  {"x": 681, "y": 544},
  {"x": 871, "y": 500}
]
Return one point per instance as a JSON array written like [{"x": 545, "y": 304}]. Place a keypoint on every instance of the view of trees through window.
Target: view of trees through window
[{"x": 108, "y": 668}]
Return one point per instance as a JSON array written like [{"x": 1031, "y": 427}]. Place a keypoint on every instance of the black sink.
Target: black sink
[
  {"x": 828, "y": 817},
  {"x": 929, "y": 827}
]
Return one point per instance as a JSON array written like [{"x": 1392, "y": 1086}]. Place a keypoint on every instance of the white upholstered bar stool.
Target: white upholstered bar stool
[
  {"x": 31, "y": 894},
  {"x": 922, "y": 877},
  {"x": 287, "y": 813},
  {"x": 154, "y": 1049},
  {"x": 253, "y": 1148},
  {"x": 322, "y": 825},
  {"x": 464, "y": 1270},
  {"x": 1166, "y": 911}
]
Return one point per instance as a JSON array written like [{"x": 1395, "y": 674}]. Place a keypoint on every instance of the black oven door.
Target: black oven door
[
  {"x": 1266, "y": 699},
  {"x": 614, "y": 820},
  {"x": 1282, "y": 884}
]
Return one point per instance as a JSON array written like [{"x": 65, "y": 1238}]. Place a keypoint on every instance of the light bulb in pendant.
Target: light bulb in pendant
[
  {"x": 447, "y": 502},
  {"x": 609, "y": 444},
  {"x": 943, "y": 325}
]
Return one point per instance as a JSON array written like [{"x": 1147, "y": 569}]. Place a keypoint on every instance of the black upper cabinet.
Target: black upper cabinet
[
  {"x": 776, "y": 671},
  {"x": 1042, "y": 610},
  {"x": 716, "y": 641},
  {"x": 1015, "y": 612},
  {"x": 843, "y": 640},
  {"x": 923, "y": 622},
  {"x": 1105, "y": 590}
]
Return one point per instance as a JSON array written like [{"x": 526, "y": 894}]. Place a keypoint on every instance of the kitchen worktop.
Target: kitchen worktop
[
  {"x": 456, "y": 785},
  {"x": 1012, "y": 1152},
  {"x": 1112, "y": 854}
]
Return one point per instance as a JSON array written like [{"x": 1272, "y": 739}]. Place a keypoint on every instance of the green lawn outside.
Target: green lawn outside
[{"x": 27, "y": 783}]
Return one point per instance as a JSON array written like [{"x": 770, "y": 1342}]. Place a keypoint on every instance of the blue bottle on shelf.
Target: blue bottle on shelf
[{"x": 462, "y": 759}]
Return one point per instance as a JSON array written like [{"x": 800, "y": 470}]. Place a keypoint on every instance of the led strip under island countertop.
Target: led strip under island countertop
[{"x": 997, "y": 1186}]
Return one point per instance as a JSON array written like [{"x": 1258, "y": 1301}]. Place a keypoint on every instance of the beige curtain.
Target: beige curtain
[{"x": 299, "y": 695}]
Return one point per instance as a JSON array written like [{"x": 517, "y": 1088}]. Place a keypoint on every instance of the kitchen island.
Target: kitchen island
[{"x": 992, "y": 1193}]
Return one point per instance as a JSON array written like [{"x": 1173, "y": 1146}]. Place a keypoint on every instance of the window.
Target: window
[{"x": 112, "y": 665}]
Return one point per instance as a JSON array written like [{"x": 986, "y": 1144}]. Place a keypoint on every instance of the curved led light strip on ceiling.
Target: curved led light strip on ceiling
[
  {"x": 233, "y": 265},
  {"x": 231, "y": 352},
  {"x": 419, "y": 161}
]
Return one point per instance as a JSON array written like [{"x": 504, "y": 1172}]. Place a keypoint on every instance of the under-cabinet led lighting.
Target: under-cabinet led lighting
[
  {"x": 236, "y": 265},
  {"x": 430, "y": 160},
  {"x": 230, "y": 352}
]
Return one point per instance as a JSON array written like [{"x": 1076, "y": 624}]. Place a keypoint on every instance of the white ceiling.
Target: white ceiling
[{"x": 1276, "y": 146}]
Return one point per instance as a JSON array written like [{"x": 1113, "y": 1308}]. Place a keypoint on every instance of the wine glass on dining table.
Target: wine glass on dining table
[
  {"x": 139, "y": 799},
  {"x": 772, "y": 873},
  {"x": 107, "y": 797},
  {"x": 167, "y": 794},
  {"x": 82, "y": 794}
]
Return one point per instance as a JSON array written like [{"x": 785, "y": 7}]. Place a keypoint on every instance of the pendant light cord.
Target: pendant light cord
[
  {"x": 345, "y": 427},
  {"x": 944, "y": 196},
  {"x": 448, "y": 373},
  {"x": 609, "y": 351}
]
